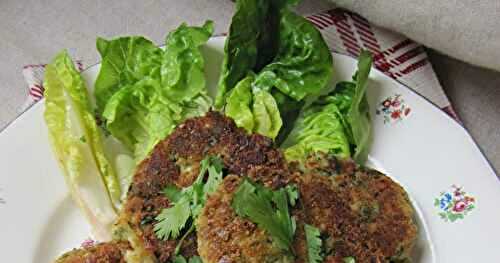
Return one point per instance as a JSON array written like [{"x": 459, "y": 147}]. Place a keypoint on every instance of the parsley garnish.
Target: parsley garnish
[
  {"x": 349, "y": 260},
  {"x": 188, "y": 202},
  {"x": 268, "y": 209},
  {"x": 313, "y": 244}
]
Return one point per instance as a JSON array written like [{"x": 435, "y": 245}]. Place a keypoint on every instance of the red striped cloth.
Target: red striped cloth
[
  {"x": 346, "y": 33},
  {"x": 33, "y": 75},
  {"x": 394, "y": 54}
]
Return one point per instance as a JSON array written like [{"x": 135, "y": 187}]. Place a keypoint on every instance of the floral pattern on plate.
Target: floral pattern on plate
[
  {"x": 454, "y": 204},
  {"x": 393, "y": 109},
  {"x": 89, "y": 242}
]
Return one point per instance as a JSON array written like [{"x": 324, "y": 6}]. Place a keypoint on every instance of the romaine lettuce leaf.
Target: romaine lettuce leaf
[
  {"x": 144, "y": 92},
  {"x": 77, "y": 144},
  {"x": 337, "y": 123}
]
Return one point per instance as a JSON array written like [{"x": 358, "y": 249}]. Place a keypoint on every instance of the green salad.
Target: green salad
[{"x": 275, "y": 81}]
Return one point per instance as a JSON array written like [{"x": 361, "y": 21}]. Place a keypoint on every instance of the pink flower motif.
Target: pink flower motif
[
  {"x": 459, "y": 206},
  {"x": 87, "y": 243},
  {"x": 393, "y": 109},
  {"x": 386, "y": 103},
  {"x": 396, "y": 114}
]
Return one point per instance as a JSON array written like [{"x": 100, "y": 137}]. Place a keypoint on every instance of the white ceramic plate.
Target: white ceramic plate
[{"x": 453, "y": 188}]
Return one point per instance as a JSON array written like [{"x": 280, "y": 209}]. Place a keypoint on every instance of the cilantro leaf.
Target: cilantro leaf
[
  {"x": 173, "y": 193},
  {"x": 171, "y": 220},
  {"x": 188, "y": 202},
  {"x": 179, "y": 259},
  {"x": 213, "y": 165},
  {"x": 313, "y": 244},
  {"x": 293, "y": 194},
  {"x": 349, "y": 260},
  {"x": 213, "y": 180},
  {"x": 195, "y": 259},
  {"x": 268, "y": 209}
]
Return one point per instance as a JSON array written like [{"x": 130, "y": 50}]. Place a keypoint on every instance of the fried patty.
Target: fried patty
[
  {"x": 111, "y": 252},
  {"x": 225, "y": 237},
  {"x": 176, "y": 160},
  {"x": 360, "y": 212}
]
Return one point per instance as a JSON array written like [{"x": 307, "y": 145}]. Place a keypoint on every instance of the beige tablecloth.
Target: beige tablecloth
[{"x": 33, "y": 31}]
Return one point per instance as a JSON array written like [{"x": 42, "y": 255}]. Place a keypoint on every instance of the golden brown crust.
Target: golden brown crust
[
  {"x": 225, "y": 237},
  {"x": 363, "y": 213},
  {"x": 176, "y": 161},
  {"x": 360, "y": 212},
  {"x": 111, "y": 252}
]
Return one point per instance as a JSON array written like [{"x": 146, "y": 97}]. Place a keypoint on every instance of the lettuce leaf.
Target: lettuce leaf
[
  {"x": 266, "y": 114},
  {"x": 359, "y": 112},
  {"x": 287, "y": 54},
  {"x": 125, "y": 60},
  {"x": 77, "y": 144},
  {"x": 239, "y": 105},
  {"x": 320, "y": 129},
  {"x": 303, "y": 64},
  {"x": 337, "y": 123},
  {"x": 138, "y": 115},
  {"x": 254, "y": 110},
  {"x": 250, "y": 44},
  {"x": 143, "y": 92},
  {"x": 182, "y": 64}
]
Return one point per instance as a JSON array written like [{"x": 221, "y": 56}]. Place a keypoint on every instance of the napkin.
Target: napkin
[
  {"x": 347, "y": 33},
  {"x": 466, "y": 30}
]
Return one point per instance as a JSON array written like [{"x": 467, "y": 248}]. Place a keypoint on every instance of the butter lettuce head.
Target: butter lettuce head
[
  {"x": 338, "y": 123},
  {"x": 302, "y": 65},
  {"x": 286, "y": 53},
  {"x": 254, "y": 110},
  {"x": 143, "y": 92},
  {"x": 239, "y": 104}
]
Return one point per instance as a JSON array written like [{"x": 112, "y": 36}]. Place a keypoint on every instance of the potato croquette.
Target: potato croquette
[
  {"x": 223, "y": 236},
  {"x": 176, "y": 160},
  {"x": 360, "y": 212},
  {"x": 111, "y": 252}
]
